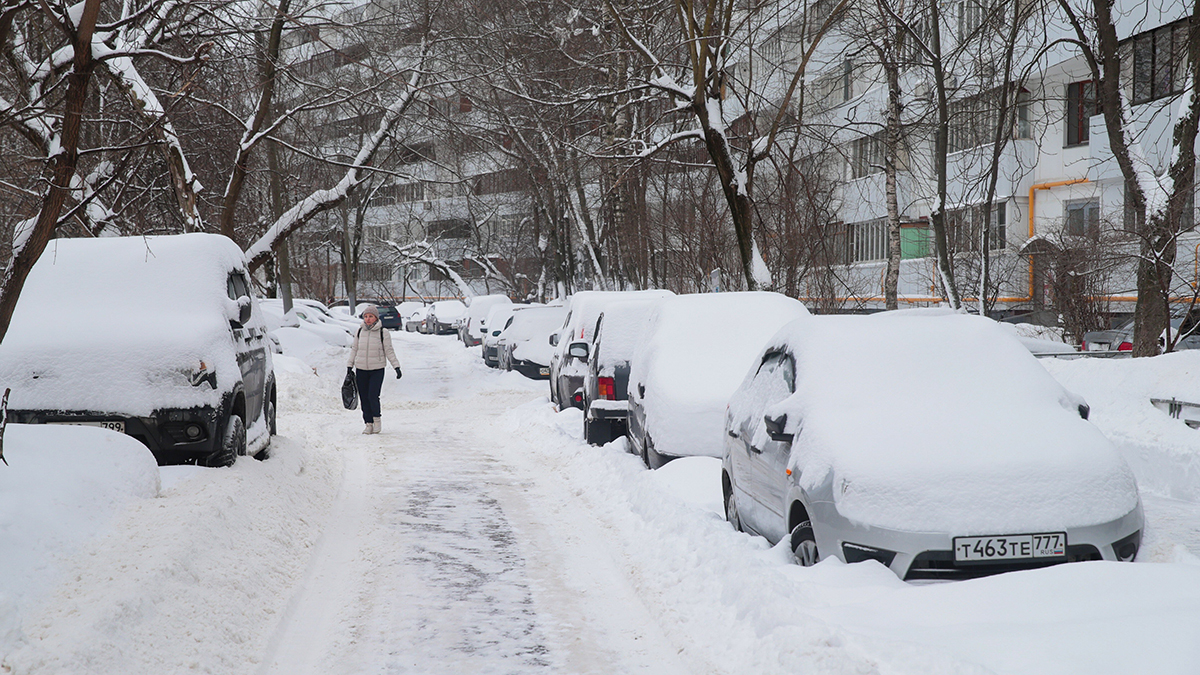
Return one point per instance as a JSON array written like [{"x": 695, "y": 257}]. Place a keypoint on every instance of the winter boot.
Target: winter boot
[
  {"x": 375, "y": 425},
  {"x": 370, "y": 428}
]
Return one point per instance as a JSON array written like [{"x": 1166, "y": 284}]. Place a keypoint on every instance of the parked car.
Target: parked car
[
  {"x": 416, "y": 319},
  {"x": 567, "y": 371},
  {"x": 444, "y": 316},
  {"x": 943, "y": 451},
  {"x": 693, "y": 354},
  {"x": 524, "y": 344},
  {"x": 618, "y": 332},
  {"x": 1183, "y": 329},
  {"x": 166, "y": 344},
  {"x": 306, "y": 318},
  {"x": 389, "y": 318},
  {"x": 497, "y": 318},
  {"x": 326, "y": 315},
  {"x": 474, "y": 323}
]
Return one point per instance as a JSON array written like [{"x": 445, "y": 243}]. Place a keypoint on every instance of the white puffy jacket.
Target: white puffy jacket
[{"x": 372, "y": 348}]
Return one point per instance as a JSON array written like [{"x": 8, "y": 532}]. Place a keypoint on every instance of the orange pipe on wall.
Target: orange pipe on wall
[{"x": 1032, "y": 188}]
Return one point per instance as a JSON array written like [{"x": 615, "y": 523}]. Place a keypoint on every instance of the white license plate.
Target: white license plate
[
  {"x": 118, "y": 427},
  {"x": 543, "y": 371},
  {"x": 1010, "y": 547}
]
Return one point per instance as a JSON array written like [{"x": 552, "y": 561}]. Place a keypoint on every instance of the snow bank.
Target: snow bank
[
  {"x": 63, "y": 485},
  {"x": 950, "y": 425},
  {"x": 1163, "y": 452},
  {"x": 695, "y": 353}
]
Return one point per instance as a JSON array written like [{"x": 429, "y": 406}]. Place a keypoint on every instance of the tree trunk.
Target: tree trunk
[
  {"x": 891, "y": 279},
  {"x": 945, "y": 265},
  {"x": 65, "y": 162}
]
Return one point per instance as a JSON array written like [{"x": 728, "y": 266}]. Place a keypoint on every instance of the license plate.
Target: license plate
[
  {"x": 1010, "y": 547},
  {"x": 118, "y": 427},
  {"x": 543, "y": 371}
]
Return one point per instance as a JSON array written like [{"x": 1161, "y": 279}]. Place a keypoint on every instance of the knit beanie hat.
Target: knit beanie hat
[{"x": 370, "y": 309}]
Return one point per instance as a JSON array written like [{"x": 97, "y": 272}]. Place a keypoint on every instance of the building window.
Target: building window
[
  {"x": 964, "y": 227},
  {"x": 497, "y": 182},
  {"x": 453, "y": 228},
  {"x": 866, "y": 241},
  {"x": 973, "y": 120},
  {"x": 866, "y": 156},
  {"x": 847, "y": 79},
  {"x": 1082, "y": 218},
  {"x": 374, "y": 271},
  {"x": 1024, "y": 128},
  {"x": 1159, "y": 58},
  {"x": 1081, "y": 105}
]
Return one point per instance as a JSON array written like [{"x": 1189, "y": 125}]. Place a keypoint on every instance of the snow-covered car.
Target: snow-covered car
[
  {"x": 567, "y": 371},
  {"x": 444, "y": 316},
  {"x": 414, "y": 320},
  {"x": 303, "y": 318},
  {"x": 166, "y": 344},
  {"x": 618, "y": 332},
  {"x": 525, "y": 341},
  {"x": 497, "y": 318},
  {"x": 945, "y": 451},
  {"x": 474, "y": 324},
  {"x": 693, "y": 354},
  {"x": 390, "y": 318},
  {"x": 324, "y": 313}
]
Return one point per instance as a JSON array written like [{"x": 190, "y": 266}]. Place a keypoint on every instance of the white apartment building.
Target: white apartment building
[{"x": 1058, "y": 186}]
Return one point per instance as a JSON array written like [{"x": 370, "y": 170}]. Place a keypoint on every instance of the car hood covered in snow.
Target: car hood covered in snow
[
  {"x": 946, "y": 423},
  {"x": 118, "y": 325}
]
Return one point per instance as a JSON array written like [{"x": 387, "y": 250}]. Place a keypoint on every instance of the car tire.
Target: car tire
[
  {"x": 597, "y": 432},
  {"x": 233, "y": 443},
  {"x": 804, "y": 545},
  {"x": 731, "y": 512},
  {"x": 269, "y": 417}
]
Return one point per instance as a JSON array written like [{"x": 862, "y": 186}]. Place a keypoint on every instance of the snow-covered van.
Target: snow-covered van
[{"x": 158, "y": 338}]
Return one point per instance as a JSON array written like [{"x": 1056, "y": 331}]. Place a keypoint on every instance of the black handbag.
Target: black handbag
[{"x": 350, "y": 392}]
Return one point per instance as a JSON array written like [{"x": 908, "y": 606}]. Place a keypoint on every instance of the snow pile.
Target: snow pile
[
  {"x": 950, "y": 424},
  {"x": 1163, "y": 452},
  {"x": 530, "y": 331},
  {"x": 151, "y": 308},
  {"x": 62, "y": 486},
  {"x": 697, "y": 349}
]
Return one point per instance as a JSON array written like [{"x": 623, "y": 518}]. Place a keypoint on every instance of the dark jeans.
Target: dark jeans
[{"x": 370, "y": 383}]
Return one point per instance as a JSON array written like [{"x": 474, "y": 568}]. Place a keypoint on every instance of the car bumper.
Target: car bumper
[
  {"x": 930, "y": 555},
  {"x": 165, "y": 432},
  {"x": 534, "y": 371},
  {"x": 608, "y": 410}
]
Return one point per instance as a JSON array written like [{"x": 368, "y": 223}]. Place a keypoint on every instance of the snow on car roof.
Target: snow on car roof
[
  {"x": 141, "y": 309},
  {"x": 944, "y": 422},
  {"x": 624, "y": 324},
  {"x": 694, "y": 354},
  {"x": 530, "y": 332},
  {"x": 448, "y": 310}
]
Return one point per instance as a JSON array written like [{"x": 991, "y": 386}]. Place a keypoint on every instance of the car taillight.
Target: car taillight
[
  {"x": 1125, "y": 347},
  {"x": 607, "y": 391},
  {"x": 578, "y": 397}
]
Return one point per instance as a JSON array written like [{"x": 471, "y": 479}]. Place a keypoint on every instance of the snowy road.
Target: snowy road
[
  {"x": 479, "y": 535},
  {"x": 439, "y": 556}
]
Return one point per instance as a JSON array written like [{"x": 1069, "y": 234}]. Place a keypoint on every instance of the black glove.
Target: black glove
[
  {"x": 398, "y": 373},
  {"x": 349, "y": 370}
]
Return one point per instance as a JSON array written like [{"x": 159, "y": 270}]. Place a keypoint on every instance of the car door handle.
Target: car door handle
[
  {"x": 641, "y": 390},
  {"x": 732, "y": 433},
  {"x": 755, "y": 449}
]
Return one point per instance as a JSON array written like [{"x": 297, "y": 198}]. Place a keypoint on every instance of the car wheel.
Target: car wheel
[
  {"x": 597, "y": 432},
  {"x": 804, "y": 545},
  {"x": 233, "y": 443},
  {"x": 731, "y": 512},
  {"x": 651, "y": 457}
]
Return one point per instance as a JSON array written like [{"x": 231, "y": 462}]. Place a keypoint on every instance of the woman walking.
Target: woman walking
[{"x": 370, "y": 354}]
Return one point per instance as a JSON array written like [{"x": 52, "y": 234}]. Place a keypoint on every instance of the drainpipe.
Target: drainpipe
[{"x": 1032, "y": 189}]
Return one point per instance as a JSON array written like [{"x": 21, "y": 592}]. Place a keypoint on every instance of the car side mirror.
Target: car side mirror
[
  {"x": 554, "y": 339},
  {"x": 244, "y": 310},
  {"x": 775, "y": 427},
  {"x": 578, "y": 350}
]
